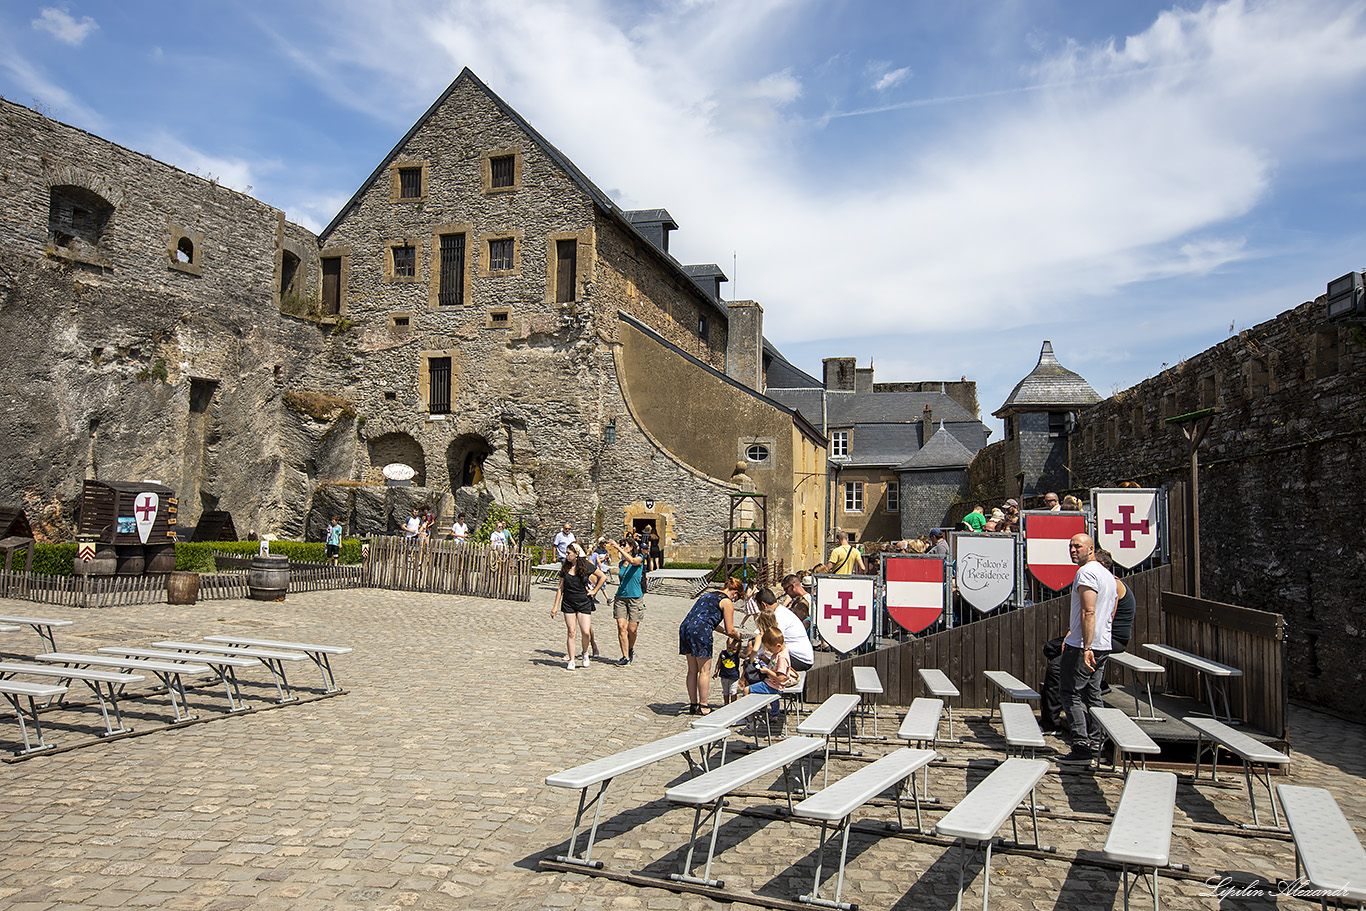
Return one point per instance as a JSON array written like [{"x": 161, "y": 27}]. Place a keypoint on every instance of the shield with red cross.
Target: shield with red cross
[
  {"x": 145, "y": 513},
  {"x": 915, "y": 590},
  {"x": 1046, "y": 537},
  {"x": 1126, "y": 524},
  {"x": 844, "y": 610}
]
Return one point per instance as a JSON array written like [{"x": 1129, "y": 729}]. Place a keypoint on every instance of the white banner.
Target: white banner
[
  {"x": 844, "y": 610},
  {"x": 986, "y": 569},
  {"x": 145, "y": 513},
  {"x": 1126, "y": 524}
]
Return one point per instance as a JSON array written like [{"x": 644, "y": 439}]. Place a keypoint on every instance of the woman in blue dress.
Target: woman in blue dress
[{"x": 715, "y": 609}]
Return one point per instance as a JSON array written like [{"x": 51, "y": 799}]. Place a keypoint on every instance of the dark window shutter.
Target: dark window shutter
[
  {"x": 439, "y": 385},
  {"x": 451, "y": 292},
  {"x": 566, "y": 269},
  {"x": 332, "y": 285}
]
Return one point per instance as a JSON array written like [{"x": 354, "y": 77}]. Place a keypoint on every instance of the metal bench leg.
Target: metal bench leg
[
  {"x": 705, "y": 879},
  {"x": 109, "y": 729},
  {"x": 325, "y": 665},
  {"x": 596, "y": 803},
  {"x": 813, "y": 898},
  {"x": 986, "y": 874},
  {"x": 277, "y": 670},
  {"x": 23, "y": 727},
  {"x": 175, "y": 688}
]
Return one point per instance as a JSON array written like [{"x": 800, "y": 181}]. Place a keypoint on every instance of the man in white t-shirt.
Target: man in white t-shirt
[
  {"x": 795, "y": 639},
  {"x": 459, "y": 530},
  {"x": 562, "y": 542},
  {"x": 499, "y": 536},
  {"x": 1086, "y": 646}
]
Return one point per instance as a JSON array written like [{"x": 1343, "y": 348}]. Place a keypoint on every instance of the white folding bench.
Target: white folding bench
[
  {"x": 1021, "y": 729},
  {"x": 40, "y": 626},
  {"x": 102, "y": 683},
  {"x": 600, "y": 772},
  {"x": 921, "y": 726},
  {"x": 979, "y": 816},
  {"x": 1141, "y": 832},
  {"x": 1252, "y": 752},
  {"x": 167, "y": 672},
  {"x": 1140, "y": 668},
  {"x": 868, "y": 683},
  {"x": 1010, "y": 687},
  {"x": 318, "y": 654},
  {"x": 223, "y": 665},
  {"x": 1326, "y": 846},
  {"x": 825, "y": 722},
  {"x": 793, "y": 695},
  {"x": 273, "y": 659},
  {"x": 738, "y": 712},
  {"x": 837, "y": 804},
  {"x": 14, "y": 691},
  {"x": 6, "y": 628},
  {"x": 708, "y": 792},
  {"x": 1213, "y": 673},
  {"x": 938, "y": 685},
  {"x": 1128, "y": 738}
]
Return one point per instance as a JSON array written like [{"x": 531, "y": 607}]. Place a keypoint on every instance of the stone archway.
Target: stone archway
[
  {"x": 400, "y": 447},
  {"x": 465, "y": 460}
]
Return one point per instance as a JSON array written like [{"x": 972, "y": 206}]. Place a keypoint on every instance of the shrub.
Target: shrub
[
  {"x": 194, "y": 557},
  {"x": 54, "y": 559}
]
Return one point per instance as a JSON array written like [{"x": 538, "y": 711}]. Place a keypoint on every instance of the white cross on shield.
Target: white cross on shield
[{"x": 844, "y": 611}]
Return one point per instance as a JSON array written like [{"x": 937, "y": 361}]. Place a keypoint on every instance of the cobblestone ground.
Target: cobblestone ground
[{"x": 422, "y": 786}]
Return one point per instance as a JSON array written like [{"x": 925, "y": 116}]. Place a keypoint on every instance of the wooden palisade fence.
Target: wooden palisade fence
[{"x": 449, "y": 567}]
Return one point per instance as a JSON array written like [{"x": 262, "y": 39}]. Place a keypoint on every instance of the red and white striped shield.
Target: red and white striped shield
[
  {"x": 915, "y": 590},
  {"x": 1046, "y": 537},
  {"x": 1126, "y": 524},
  {"x": 844, "y": 610}
]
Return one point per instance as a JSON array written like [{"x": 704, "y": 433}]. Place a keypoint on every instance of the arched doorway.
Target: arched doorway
[
  {"x": 400, "y": 447},
  {"x": 465, "y": 460}
]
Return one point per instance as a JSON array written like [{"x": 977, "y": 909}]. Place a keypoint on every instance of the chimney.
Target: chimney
[
  {"x": 863, "y": 379},
  {"x": 926, "y": 425},
  {"x": 839, "y": 374},
  {"x": 745, "y": 344}
]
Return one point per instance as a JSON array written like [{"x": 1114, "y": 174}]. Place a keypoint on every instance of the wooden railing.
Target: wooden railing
[
  {"x": 1251, "y": 640},
  {"x": 449, "y": 567},
  {"x": 110, "y": 591}
]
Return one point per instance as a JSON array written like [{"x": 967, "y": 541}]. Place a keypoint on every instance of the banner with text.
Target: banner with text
[{"x": 986, "y": 569}]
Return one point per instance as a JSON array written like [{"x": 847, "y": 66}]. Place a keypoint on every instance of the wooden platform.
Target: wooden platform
[{"x": 1173, "y": 708}]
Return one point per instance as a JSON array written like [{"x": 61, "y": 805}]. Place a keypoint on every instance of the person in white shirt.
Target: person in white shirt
[
  {"x": 460, "y": 531},
  {"x": 413, "y": 526},
  {"x": 499, "y": 536},
  {"x": 1086, "y": 646},
  {"x": 798, "y": 643},
  {"x": 562, "y": 542}
]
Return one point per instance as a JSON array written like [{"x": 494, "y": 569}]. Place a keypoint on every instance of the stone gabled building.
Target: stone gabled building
[{"x": 479, "y": 311}]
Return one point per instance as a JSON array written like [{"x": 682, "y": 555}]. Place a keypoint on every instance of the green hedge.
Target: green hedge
[
  {"x": 197, "y": 557},
  {"x": 54, "y": 559}
]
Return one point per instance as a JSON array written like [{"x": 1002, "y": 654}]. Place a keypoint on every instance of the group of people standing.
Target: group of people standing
[{"x": 583, "y": 576}]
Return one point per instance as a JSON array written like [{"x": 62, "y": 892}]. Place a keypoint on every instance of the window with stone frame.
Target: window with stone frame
[
  {"x": 438, "y": 385},
  {"x": 566, "y": 270},
  {"x": 893, "y": 496},
  {"x": 332, "y": 284},
  {"x": 501, "y": 254},
  {"x": 503, "y": 172},
  {"x": 410, "y": 183},
  {"x": 404, "y": 260},
  {"x": 839, "y": 444},
  {"x": 853, "y": 496},
  {"x": 451, "y": 281}
]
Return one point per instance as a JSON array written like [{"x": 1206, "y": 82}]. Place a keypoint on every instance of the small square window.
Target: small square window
[
  {"x": 853, "y": 496},
  {"x": 502, "y": 172},
  {"x": 410, "y": 183},
  {"x": 405, "y": 261},
  {"x": 500, "y": 319},
  {"x": 500, "y": 254}
]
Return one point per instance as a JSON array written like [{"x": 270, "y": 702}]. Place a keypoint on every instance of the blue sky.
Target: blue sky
[{"x": 933, "y": 187}]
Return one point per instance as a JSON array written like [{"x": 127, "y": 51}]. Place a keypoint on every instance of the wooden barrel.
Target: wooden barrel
[
  {"x": 268, "y": 578},
  {"x": 182, "y": 588},
  {"x": 160, "y": 559},
  {"x": 132, "y": 559},
  {"x": 104, "y": 564}
]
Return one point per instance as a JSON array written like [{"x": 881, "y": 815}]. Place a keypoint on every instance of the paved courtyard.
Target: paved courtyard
[{"x": 422, "y": 786}]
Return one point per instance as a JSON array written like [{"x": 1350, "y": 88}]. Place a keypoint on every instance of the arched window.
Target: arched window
[
  {"x": 184, "y": 250},
  {"x": 76, "y": 215}
]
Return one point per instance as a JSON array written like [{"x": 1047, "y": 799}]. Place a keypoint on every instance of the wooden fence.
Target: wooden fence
[
  {"x": 1251, "y": 640},
  {"x": 449, "y": 567},
  {"x": 110, "y": 591},
  {"x": 1010, "y": 641}
]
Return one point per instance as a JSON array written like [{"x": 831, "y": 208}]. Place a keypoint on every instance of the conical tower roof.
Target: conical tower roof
[
  {"x": 1049, "y": 385},
  {"x": 941, "y": 450}
]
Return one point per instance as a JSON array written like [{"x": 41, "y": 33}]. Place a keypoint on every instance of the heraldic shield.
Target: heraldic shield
[
  {"x": 1046, "y": 538},
  {"x": 844, "y": 610},
  {"x": 1126, "y": 524},
  {"x": 145, "y": 513},
  {"x": 915, "y": 591},
  {"x": 986, "y": 569}
]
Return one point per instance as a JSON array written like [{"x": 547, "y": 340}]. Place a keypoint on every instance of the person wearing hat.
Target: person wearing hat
[{"x": 939, "y": 544}]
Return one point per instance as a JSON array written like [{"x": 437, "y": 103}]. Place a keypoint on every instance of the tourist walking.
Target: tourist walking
[
  {"x": 579, "y": 583},
  {"x": 714, "y": 610},
  {"x": 334, "y": 532}
]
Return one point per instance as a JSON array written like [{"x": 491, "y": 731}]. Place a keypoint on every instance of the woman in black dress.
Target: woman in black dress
[
  {"x": 715, "y": 609},
  {"x": 580, "y": 581}
]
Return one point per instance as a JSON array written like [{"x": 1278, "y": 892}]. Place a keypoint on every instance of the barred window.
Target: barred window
[
  {"x": 451, "y": 283},
  {"x": 500, "y": 254},
  {"x": 439, "y": 385},
  {"x": 502, "y": 171},
  {"x": 410, "y": 183},
  {"x": 405, "y": 261}
]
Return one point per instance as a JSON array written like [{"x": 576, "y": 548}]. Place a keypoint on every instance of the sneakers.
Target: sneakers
[
  {"x": 1080, "y": 755},
  {"x": 595, "y": 650},
  {"x": 585, "y": 661},
  {"x": 625, "y": 660},
  {"x": 569, "y": 664}
]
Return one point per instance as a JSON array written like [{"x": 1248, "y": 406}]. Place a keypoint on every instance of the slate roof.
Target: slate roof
[
  {"x": 1049, "y": 385},
  {"x": 783, "y": 374},
  {"x": 848, "y": 408},
  {"x": 942, "y": 451}
]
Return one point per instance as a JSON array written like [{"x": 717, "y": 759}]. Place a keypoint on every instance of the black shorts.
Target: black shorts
[
  {"x": 579, "y": 609},
  {"x": 333, "y": 550}
]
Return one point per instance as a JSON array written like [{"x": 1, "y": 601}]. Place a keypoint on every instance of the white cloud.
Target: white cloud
[
  {"x": 234, "y": 173},
  {"x": 63, "y": 27},
  {"x": 887, "y": 78}
]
